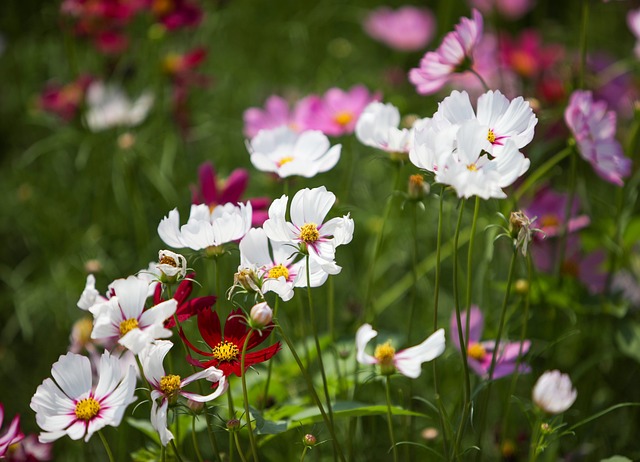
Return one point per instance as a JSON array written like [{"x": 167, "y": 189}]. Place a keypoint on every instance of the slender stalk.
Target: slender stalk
[
  {"x": 331, "y": 312},
  {"x": 265, "y": 394},
  {"x": 414, "y": 268},
  {"x": 238, "y": 447},
  {"x": 195, "y": 440},
  {"x": 106, "y": 447},
  {"x": 535, "y": 439},
  {"x": 304, "y": 453},
  {"x": 175, "y": 450},
  {"x": 312, "y": 391},
  {"x": 482, "y": 81},
  {"x": 583, "y": 42},
  {"x": 163, "y": 454},
  {"x": 540, "y": 172},
  {"x": 562, "y": 245},
  {"x": 232, "y": 415},
  {"x": 389, "y": 419},
  {"x": 476, "y": 211},
  {"x": 245, "y": 396}
]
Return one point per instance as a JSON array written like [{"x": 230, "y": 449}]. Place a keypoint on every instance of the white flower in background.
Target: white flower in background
[
  {"x": 167, "y": 387},
  {"x": 378, "y": 127},
  {"x": 471, "y": 172},
  {"x": 90, "y": 296},
  {"x": 108, "y": 107},
  {"x": 286, "y": 152},
  {"x": 206, "y": 228},
  {"x": 554, "y": 393},
  {"x": 68, "y": 405},
  {"x": 171, "y": 265},
  {"x": 408, "y": 362},
  {"x": 309, "y": 207},
  {"x": 124, "y": 319}
]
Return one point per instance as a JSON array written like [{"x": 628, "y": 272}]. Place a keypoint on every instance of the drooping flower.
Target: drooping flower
[
  {"x": 554, "y": 392},
  {"x": 186, "y": 307},
  {"x": 378, "y": 127},
  {"x": 307, "y": 230},
  {"x": 226, "y": 348},
  {"x": 594, "y": 129},
  {"x": 109, "y": 107},
  {"x": 406, "y": 29},
  {"x": 408, "y": 362},
  {"x": 12, "y": 435},
  {"x": 479, "y": 353},
  {"x": 214, "y": 191},
  {"x": 336, "y": 112},
  {"x": 550, "y": 208},
  {"x": 206, "y": 228},
  {"x": 123, "y": 318},
  {"x": 166, "y": 388},
  {"x": 522, "y": 230},
  {"x": 69, "y": 405},
  {"x": 286, "y": 152},
  {"x": 455, "y": 54}
]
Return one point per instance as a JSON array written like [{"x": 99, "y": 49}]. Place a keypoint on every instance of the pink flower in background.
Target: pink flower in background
[
  {"x": 455, "y": 54},
  {"x": 510, "y": 9},
  {"x": 174, "y": 14},
  {"x": 30, "y": 450},
  {"x": 336, "y": 112},
  {"x": 527, "y": 56},
  {"x": 479, "y": 353},
  {"x": 633, "y": 21},
  {"x": 64, "y": 100},
  {"x": 12, "y": 435},
  {"x": 276, "y": 113},
  {"x": 406, "y": 29},
  {"x": 215, "y": 191},
  {"x": 594, "y": 129},
  {"x": 549, "y": 207}
]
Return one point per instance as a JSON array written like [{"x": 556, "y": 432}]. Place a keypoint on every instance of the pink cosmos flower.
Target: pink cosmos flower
[
  {"x": 406, "y": 29},
  {"x": 479, "y": 353},
  {"x": 214, "y": 192},
  {"x": 594, "y": 129},
  {"x": 633, "y": 21},
  {"x": 549, "y": 207},
  {"x": 510, "y": 9},
  {"x": 527, "y": 56},
  {"x": 336, "y": 112},
  {"x": 455, "y": 54},
  {"x": 276, "y": 113},
  {"x": 174, "y": 14},
  {"x": 30, "y": 450},
  {"x": 12, "y": 435}
]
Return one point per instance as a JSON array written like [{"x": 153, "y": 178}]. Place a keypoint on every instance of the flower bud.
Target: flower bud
[
  {"x": 429, "y": 433},
  {"x": 248, "y": 279},
  {"x": 309, "y": 440},
  {"x": 553, "y": 392},
  {"x": 172, "y": 266},
  {"x": 195, "y": 406},
  {"x": 417, "y": 188},
  {"x": 126, "y": 141},
  {"x": 233, "y": 425},
  {"x": 261, "y": 315}
]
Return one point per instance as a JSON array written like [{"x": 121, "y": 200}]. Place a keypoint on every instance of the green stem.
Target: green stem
[
  {"x": 270, "y": 365},
  {"x": 234, "y": 435},
  {"x": 175, "y": 450},
  {"x": 482, "y": 81},
  {"x": 331, "y": 310},
  {"x": 583, "y": 42},
  {"x": 304, "y": 453},
  {"x": 389, "y": 419},
  {"x": 476, "y": 211},
  {"x": 194, "y": 439},
  {"x": 562, "y": 245},
  {"x": 535, "y": 439},
  {"x": 232, "y": 415},
  {"x": 163, "y": 454},
  {"x": 245, "y": 395},
  {"x": 106, "y": 447},
  {"x": 414, "y": 269},
  {"x": 534, "y": 178}
]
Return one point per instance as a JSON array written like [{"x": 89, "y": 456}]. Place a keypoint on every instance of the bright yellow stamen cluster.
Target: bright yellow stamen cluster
[
  {"x": 491, "y": 136},
  {"x": 128, "y": 325},
  {"x": 277, "y": 271},
  {"x": 384, "y": 353},
  {"x": 343, "y": 117},
  {"x": 476, "y": 351},
  {"x": 472, "y": 168},
  {"x": 167, "y": 260},
  {"x": 225, "y": 351},
  {"x": 285, "y": 160},
  {"x": 170, "y": 385},
  {"x": 309, "y": 233},
  {"x": 87, "y": 409}
]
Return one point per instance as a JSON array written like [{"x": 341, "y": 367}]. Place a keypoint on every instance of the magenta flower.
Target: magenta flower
[
  {"x": 594, "y": 129},
  {"x": 479, "y": 353},
  {"x": 276, "y": 113},
  {"x": 527, "y": 56},
  {"x": 455, "y": 54},
  {"x": 510, "y": 9},
  {"x": 174, "y": 14},
  {"x": 12, "y": 435},
  {"x": 214, "y": 192},
  {"x": 406, "y": 29},
  {"x": 64, "y": 100},
  {"x": 549, "y": 208},
  {"x": 336, "y": 112}
]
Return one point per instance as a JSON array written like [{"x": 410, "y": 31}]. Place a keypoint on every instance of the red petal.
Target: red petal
[{"x": 209, "y": 326}]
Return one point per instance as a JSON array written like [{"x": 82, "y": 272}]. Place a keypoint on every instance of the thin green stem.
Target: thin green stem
[
  {"x": 106, "y": 447},
  {"x": 583, "y": 42},
  {"x": 245, "y": 396},
  {"x": 163, "y": 454},
  {"x": 175, "y": 450},
  {"x": 265, "y": 394},
  {"x": 390, "y": 420},
  {"x": 562, "y": 244},
  {"x": 194, "y": 439},
  {"x": 482, "y": 81},
  {"x": 414, "y": 268},
  {"x": 232, "y": 415},
  {"x": 331, "y": 312},
  {"x": 304, "y": 453},
  {"x": 534, "y": 178},
  {"x": 476, "y": 211},
  {"x": 535, "y": 438},
  {"x": 234, "y": 435}
]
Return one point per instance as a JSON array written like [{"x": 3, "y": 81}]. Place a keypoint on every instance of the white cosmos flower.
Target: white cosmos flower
[
  {"x": 431, "y": 144},
  {"x": 109, "y": 107},
  {"x": 286, "y": 152},
  {"x": 553, "y": 392},
  {"x": 309, "y": 207},
  {"x": 206, "y": 228},
  {"x": 172, "y": 265},
  {"x": 471, "y": 172},
  {"x": 123, "y": 317},
  {"x": 501, "y": 119},
  {"x": 408, "y": 362},
  {"x": 167, "y": 387},
  {"x": 68, "y": 405},
  {"x": 90, "y": 295},
  {"x": 378, "y": 127}
]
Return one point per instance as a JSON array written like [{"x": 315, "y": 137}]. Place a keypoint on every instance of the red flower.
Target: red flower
[
  {"x": 186, "y": 308},
  {"x": 226, "y": 348}
]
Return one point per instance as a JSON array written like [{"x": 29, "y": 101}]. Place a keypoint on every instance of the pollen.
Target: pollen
[
  {"x": 225, "y": 351},
  {"x": 343, "y": 118},
  {"x": 309, "y": 233},
  {"x": 167, "y": 260},
  {"x": 128, "y": 325},
  {"x": 285, "y": 160},
  {"x": 87, "y": 409},
  {"x": 384, "y": 353},
  {"x": 476, "y": 351},
  {"x": 472, "y": 168},
  {"x": 170, "y": 385},
  {"x": 277, "y": 271},
  {"x": 491, "y": 136}
]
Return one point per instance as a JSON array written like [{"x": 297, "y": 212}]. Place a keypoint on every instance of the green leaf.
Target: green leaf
[
  {"x": 145, "y": 427},
  {"x": 267, "y": 427},
  {"x": 347, "y": 409}
]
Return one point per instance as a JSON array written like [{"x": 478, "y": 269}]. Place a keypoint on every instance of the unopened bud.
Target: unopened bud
[
  {"x": 126, "y": 141},
  {"x": 417, "y": 188},
  {"x": 521, "y": 286},
  {"x": 261, "y": 315},
  {"x": 233, "y": 425},
  {"x": 545, "y": 428},
  {"x": 172, "y": 266},
  {"x": 309, "y": 440},
  {"x": 93, "y": 266},
  {"x": 195, "y": 406}
]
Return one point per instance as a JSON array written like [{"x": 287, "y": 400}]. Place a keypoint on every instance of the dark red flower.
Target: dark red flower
[
  {"x": 64, "y": 100},
  {"x": 226, "y": 349},
  {"x": 186, "y": 308}
]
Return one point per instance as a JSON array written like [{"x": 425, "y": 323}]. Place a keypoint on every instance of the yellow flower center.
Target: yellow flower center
[
  {"x": 277, "y": 271},
  {"x": 170, "y": 385},
  {"x": 384, "y": 354},
  {"x": 167, "y": 260},
  {"x": 549, "y": 220},
  {"x": 87, "y": 409},
  {"x": 225, "y": 351},
  {"x": 491, "y": 136},
  {"x": 472, "y": 168},
  {"x": 476, "y": 351},
  {"x": 309, "y": 233},
  {"x": 343, "y": 117},
  {"x": 285, "y": 160},
  {"x": 127, "y": 325}
]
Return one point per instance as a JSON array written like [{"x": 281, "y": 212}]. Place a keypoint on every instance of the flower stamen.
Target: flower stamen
[
  {"x": 491, "y": 136},
  {"x": 277, "y": 271},
  {"x": 225, "y": 351},
  {"x": 343, "y": 118},
  {"x": 87, "y": 409},
  {"x": 309, "y": 233},
  {"x": 170, "y": 385},
  {"x": 128, "y": 325},
  {"x": 476, "y": 351}
]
